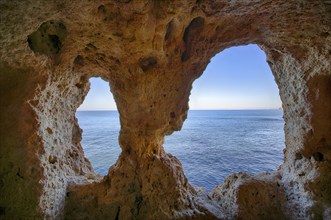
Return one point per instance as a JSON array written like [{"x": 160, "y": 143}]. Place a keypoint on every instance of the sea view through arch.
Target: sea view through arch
[{"x": 211, "y": 145}]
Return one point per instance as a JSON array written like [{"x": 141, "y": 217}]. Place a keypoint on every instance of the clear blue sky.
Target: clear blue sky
[{"x": 236, "y": 78}]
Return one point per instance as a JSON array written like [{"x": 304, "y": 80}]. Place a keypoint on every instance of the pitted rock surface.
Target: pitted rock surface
[{"x": 151, "y": 52}]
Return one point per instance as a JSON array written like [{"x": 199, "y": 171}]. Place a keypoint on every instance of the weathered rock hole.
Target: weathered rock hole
[
  {"x": 169, "y": 31},
  {"x": 79, "y": 60},
  {"x": 191, "y": 35},
  {"x": 99, "y": 120},
  {"x": 214, "y": 144},
  {"x": 102, "y": 9},
  {"x": 48, "y": 38},
  {"x": 147, "y": 63},
  {"x": 318, "y": 156}
]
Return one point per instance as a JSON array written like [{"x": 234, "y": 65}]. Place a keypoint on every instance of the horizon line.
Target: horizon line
[{"x": 248, "y": 109}]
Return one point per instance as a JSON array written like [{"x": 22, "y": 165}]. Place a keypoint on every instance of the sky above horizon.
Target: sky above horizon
[{"x": 236, "y": 78}]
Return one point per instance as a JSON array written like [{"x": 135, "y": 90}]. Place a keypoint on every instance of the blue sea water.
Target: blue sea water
[{"x": 210, "y": 146}]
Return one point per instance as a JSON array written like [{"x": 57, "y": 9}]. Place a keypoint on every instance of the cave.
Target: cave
[{"x": 151, "y": 52}]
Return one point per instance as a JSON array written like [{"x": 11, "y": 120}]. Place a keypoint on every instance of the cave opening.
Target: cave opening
[
  {"x": 235, "y": 122},
  {"x": 99, "y": 119}
]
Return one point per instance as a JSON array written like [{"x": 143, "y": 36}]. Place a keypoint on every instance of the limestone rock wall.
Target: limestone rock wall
[{"x": 150, "y": 52}]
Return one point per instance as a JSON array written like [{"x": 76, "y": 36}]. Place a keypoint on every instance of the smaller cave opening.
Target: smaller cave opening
[{"x": 99, "y": 119}]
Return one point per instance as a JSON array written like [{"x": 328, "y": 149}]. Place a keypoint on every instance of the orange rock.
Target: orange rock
[{"x": 151, "y": 52}]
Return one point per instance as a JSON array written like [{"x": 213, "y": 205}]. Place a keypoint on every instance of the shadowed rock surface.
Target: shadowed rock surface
[{"x": 150, "y": 52}]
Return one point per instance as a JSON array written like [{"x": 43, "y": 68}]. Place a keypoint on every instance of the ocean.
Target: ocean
[{"x": 211, "y": 145}]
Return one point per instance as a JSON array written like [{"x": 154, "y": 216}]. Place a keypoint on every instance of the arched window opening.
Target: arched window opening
[
  {"x": 99, "y": 119},
  {"x": 235, "y": 123}
]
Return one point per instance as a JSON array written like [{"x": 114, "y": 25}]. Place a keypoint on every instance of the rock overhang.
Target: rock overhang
[{"x": 150, "y": 53}]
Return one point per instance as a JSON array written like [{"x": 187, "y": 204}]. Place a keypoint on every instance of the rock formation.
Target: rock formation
[{"x": 150, "y": 52}]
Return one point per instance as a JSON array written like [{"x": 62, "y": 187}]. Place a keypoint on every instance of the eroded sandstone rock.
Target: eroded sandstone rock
[{"x": 151, "y": 52}]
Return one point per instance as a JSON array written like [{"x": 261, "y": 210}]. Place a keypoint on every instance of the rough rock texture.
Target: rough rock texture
[{"x": 150, "y": 52}]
